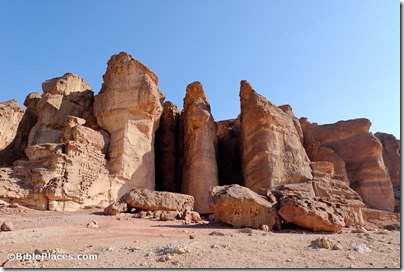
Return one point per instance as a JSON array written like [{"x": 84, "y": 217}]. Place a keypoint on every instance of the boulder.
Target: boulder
[
  {"x": 240, "y": 207},
  {"x": 391, "y": 158},
  {"x": 200, "y": 143},
  {"x": 271, "y": 150},
  {"x": 322, "y": 204},
  {"x": 69, "y": 95},
  {"x": 229, "y": 161},
  {"x": 7, "y": 226},
  {"x": 361, "y": 153},
  {"x": 144, "y": 199},
  {"x": 116, "y": 208},
  {"x": 128, "y": 107},
  {"x": 166, "y": 149}
]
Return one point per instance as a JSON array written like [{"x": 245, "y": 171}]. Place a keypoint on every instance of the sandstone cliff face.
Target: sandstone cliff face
[
  {"x": 61, "y": 177},
  {"x": 200, "y": 142},
  {"x": 128, "y": 107},
  {"x": 271, "y": 150},
  {"x": 229, "y": 161},
  {"x": 10, "y": 116},
  {"x": 69, "y": 95},
  {"x": 361, "y": 152},
  {"x": 391, "y": 158},
  {"x": 166, "y": 149},
  {"x": 15, "y": 149}
]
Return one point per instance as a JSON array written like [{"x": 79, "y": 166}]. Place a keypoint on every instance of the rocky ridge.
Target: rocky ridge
[{"x": 71, "y": 149}]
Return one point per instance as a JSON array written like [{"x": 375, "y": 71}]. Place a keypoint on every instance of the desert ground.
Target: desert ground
[{"x": 124, "y": 241}]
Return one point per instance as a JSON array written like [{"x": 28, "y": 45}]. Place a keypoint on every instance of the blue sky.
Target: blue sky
[{"x": 330, "y": 60}]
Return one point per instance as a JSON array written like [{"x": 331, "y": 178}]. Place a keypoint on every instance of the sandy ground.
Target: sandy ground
[{"x": 127, "y": 242}]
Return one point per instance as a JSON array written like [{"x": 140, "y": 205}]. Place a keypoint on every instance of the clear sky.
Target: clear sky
[{"x": 330, "y": 60}]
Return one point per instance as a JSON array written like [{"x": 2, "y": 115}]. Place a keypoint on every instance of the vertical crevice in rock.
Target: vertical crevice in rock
[
  {"x": 166, "y": 149},
  {"x": 229, "y": 161}
]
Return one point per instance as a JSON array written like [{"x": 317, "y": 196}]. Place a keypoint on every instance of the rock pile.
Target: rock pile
[{"x": 127, "y": 148}]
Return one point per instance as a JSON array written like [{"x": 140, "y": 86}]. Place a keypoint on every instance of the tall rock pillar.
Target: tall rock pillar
[
  {"x": 129, "y": 108},
  {"x": 200, "y": 142}
]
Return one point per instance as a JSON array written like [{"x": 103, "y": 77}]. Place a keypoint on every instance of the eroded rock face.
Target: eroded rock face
[
  {"x": 167, "y": 150},
  {"x": 69, "y": 95},
  {"x": 322, "y": 204},
  {"x": 147, "y": 200},
  {"x": 128, "y": 107},
  {"x": 391, "y": 158},
  {"x": 351, "y": 143},
  {"x": 240, "y": 207},
  {"x": 10, "y": 116},
  {"x": 200, "y": 142},
  {"x": 229, "y": 161},
  {"x": 61, "y": 177},
  {"x": 271, "y": 150},
  {"x": 15, "y": 149}
]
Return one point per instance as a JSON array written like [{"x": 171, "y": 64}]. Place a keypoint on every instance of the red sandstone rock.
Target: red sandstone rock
[
  {"x": 361, "y": 152},
  {"x": 240, "y": 207},
  {"x": 271, "y": 150},
  {"x": 200, "y": 143}
]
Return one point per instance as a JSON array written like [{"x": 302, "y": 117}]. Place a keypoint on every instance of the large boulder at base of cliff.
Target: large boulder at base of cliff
[
  {"x": 391, "y": 158},
  {"x": 128, "y": 107},
  {"x": 377, "y": 219},
  {"x": 229, "y": 161},
  {"x": 166, "y": 149},
  {"x": 322, "y": 204},
  {"x": 240, "y": 207},
  {"x": 148, "y": 200},
  {"x": 69, "y": 95},
  {"x": 361, "y": 152},
  {"x": 271, "y": 150},
  {"x": 200, "y": 143}
]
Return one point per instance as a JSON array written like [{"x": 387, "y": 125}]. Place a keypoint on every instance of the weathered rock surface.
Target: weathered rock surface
[
  {"x": 240, "y": 207},
  {"x": 391, "y": 158},
  {"x": 69, "y": 95},
  {"x": 271, "y": 150},
  {"x": 361, "y": 152},
  {"x": 7, "y": 226},
  {"x": 200, "y": 143},
  {"x": 147, "y": 200},
  {"x": 10, "y": 116},
  {"x": 166, "y": 149},
  {"x": 322, "y": 204},
  {"x": 61, "y": 177},
  {"x": 128, "y": 107},
  {"x": 377, "y": 219},
  {"x": 229, "y": 161},
  {"x": 116, "y": 208},
  {"x": 15, "y": 149}
]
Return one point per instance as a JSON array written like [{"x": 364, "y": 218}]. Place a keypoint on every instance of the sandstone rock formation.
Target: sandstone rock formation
[
  {"x": 271, "y": 150},
  {"x": 200, "y": 143},
  {"x": 349, "y": 143},
  {"x": 322, "y": 204},
  {"x": 10, "y": 117},
  {"x": 391, "y": 158},
  {"x": 69, "y": 95},
  {"x": 62, "y": 177},
  {"x": 15, "y": 149},
  {"x": 240, "y": 207},
  {"x": 147, "y": 200},
  {"x": 228, "y": 160},
  {"x": 166, "y": 149},
  {"x": 128, "y": 107}
]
